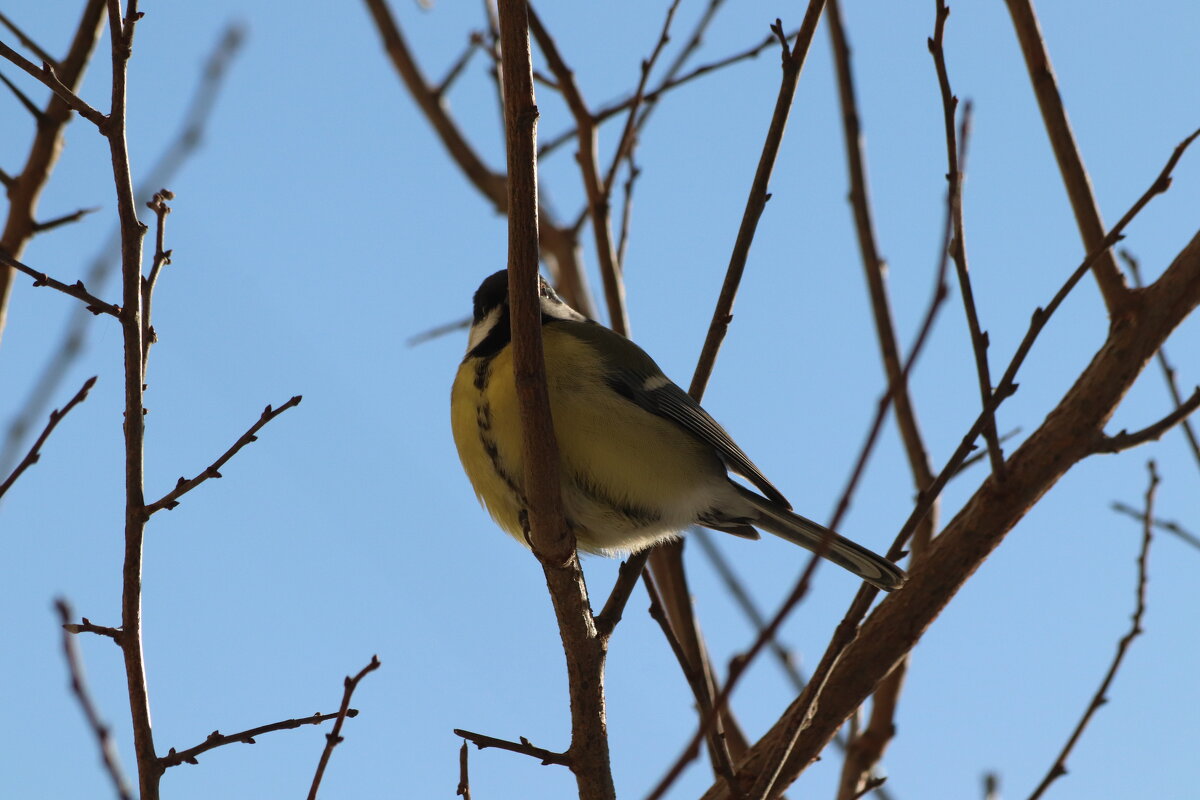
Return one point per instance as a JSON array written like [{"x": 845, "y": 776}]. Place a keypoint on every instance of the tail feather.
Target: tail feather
[{"x": 871, "y": 567}]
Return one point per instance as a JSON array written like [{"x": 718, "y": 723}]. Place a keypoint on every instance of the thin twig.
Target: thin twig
[
  {"x": 1167, "y": 369},
  {"x": 65, "y": 219},
  {"x": 474, "y": 42},
  {"x": 1125, "y": 440},
  {"x": 1059, "y": 767},
  {"x": 438, "y": 332},
  {"x": 524, "y": 747},
  {"x": 104, "y": 738},
  {"x": 85, "y": 625},
  {"x": 216, "y": 739},
  {"x": 184, "y": 485},
  {"x": 38, "y": 116},
  {"x": 1170, "y": 526},
  {"x": 35, "y": 453},
  {"x": 334, "y": 737},
  {"x": 958, "y": 246},
  {"x": 162, "y": 257},
  {"x": 76, "y": 290}
]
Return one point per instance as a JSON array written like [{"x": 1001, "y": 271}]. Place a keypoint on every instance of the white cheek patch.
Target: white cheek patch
[
  {"x": 481, "y": 329},
  {"x": 656, "y": 382}
]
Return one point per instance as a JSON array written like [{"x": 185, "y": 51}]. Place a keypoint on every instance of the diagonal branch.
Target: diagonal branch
[
  {"x": 104, "y": 738},
  {"x": 56, "y": 416},
  {"x": 1170, "y": 526},
  {"x": 1059, "y": 767},
  {"x": 183, "y": 485},
  {"x": 1125, "y": 440},
  {"x": 1066, "y": 151},
  {"x": 76, "y": 290},
  {"x": 216, "y": 739},
  {"x": 48, "y": 76}
]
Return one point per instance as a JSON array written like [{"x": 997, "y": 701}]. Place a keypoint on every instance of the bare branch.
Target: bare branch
[
  {"x": 25, "y": 40},
  {"x": 108, "y": 748},
  {"x": 334, "y": 737},
  {"x": 183, "y": 486},
  {"x": 1170, "y": 526},
  {"x": 958, "y": 246},
  {"x": 1125, "y": 440},
  {"x": 34, "y": 453},
  {"x": 1059, "y": 767},
  {"x": 1167, "y": 369},
  {"x": 524, "y": 747},
  {"x": 86, "y": 626},
  {"x": 474, "y": 42},
  {"x": 23, "y": 99},
  {"x": 216, "y": 739},
  {"x": 76, "y": 290},
  {"x": 438, "y": 332},
  {"x": 1066, "y": 152},
  {"x": 49, "y": 77},
  {"x": 464, "y": 779},
  {"x": 65, "y": 219},
  {"x": 162, "y": 257}
]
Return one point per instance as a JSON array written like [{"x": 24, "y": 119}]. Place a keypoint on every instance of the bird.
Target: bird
[{"x": 640, "y": 460}]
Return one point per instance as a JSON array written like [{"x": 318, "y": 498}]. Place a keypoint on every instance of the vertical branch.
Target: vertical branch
[
  {"x": 121, "y": 32},
  {"x": 553, "y": 543}
]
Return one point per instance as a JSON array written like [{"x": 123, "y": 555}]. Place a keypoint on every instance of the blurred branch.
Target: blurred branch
[
  {"x": 26, "y": 41},
  {"x": 1066, "y": 152},
  {"x": 65, "y": 219},
  {"x": 524, "y": 747},
  {"x": 1167, "y": 369},
  {"x": 216, "y": 739},
  {"x": 1170, "y": 526},
  {"x": 24, "y": 188},
  {"x": 35, "y": 453},
  {"x": 163, "y": 171},
  {"x": 108, "y": 748},
  {"x": 183, "y": 485},
  {"x": 334, "y": 737},
  {"x": 85, "y": 626},
  {"x": 1059, "y": 768},
  {"x": 958, "y": 244}
]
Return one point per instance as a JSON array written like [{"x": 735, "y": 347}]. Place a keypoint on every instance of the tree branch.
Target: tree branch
[
  {"x": 76, "y": 290},
  {"x": 34, "y": 453},
  {"x": 216, "y": 739},
  {"x": 1059, "y": 767},
  {"x": 524, "y": 747},
  {"x": 104, "y": 738},
  {"x": 334, "y": 737},
  {"x": 183, "y": 486},
  {"x": 1066, "y": 152},
  {"x": 1125, "y": 440}
]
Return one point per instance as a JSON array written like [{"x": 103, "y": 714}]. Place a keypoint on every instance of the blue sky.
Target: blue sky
[{"x": 321, "y": 225}]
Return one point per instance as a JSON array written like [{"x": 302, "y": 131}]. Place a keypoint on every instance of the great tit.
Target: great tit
[{"x": 641, "y": 461}]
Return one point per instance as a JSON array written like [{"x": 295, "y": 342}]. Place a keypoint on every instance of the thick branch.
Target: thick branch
[{"x": 550, "y": 538}]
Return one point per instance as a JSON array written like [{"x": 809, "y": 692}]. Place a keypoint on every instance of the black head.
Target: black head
[{"x": 491, "y": 293}]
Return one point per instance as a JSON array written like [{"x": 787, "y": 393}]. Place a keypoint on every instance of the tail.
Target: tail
[{"x": 872, "y": 568}]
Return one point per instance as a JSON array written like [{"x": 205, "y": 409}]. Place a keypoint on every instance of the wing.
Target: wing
[{"x": 632, "y": 373}]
